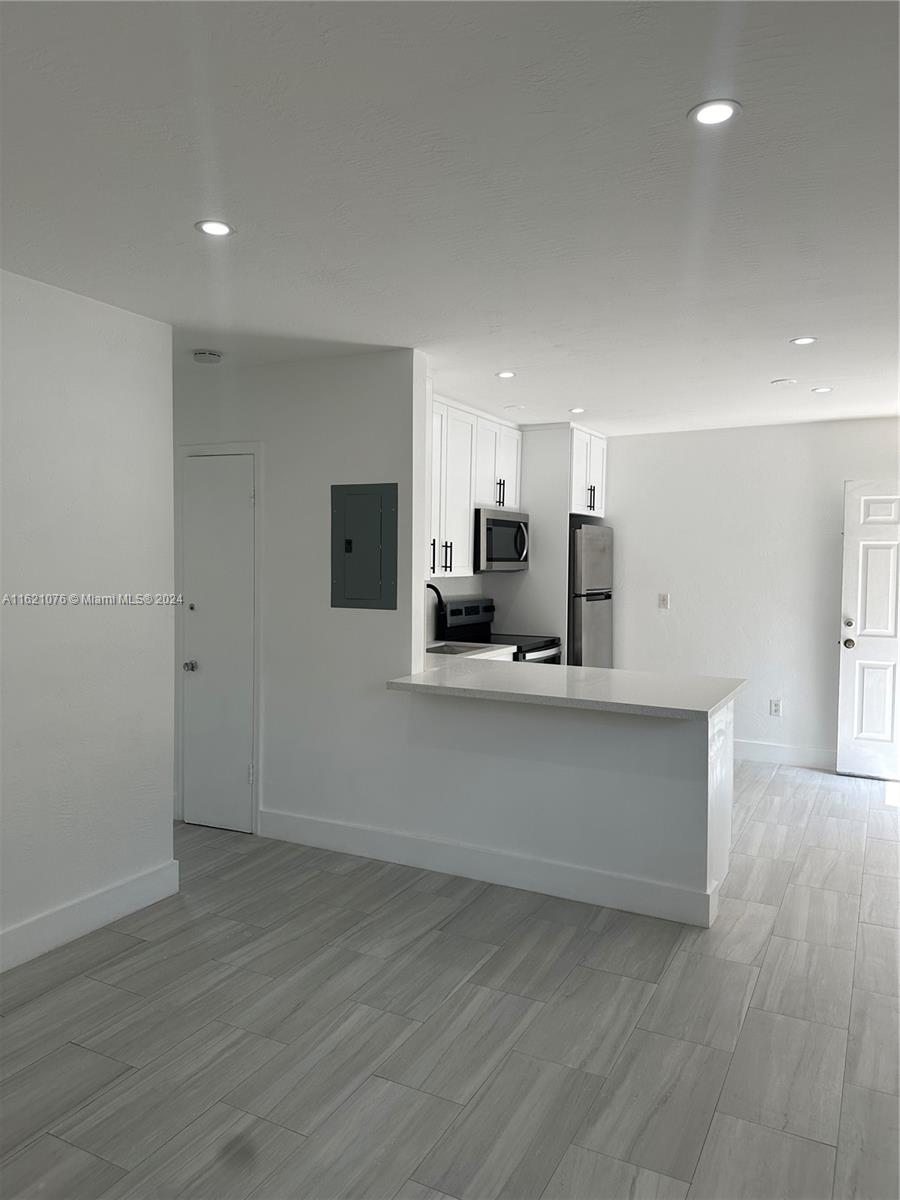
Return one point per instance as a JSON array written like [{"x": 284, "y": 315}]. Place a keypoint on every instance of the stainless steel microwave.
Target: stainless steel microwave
[{"x": 501, "y": 540}]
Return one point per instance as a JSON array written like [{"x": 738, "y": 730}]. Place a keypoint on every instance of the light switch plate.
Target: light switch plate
[{"x": 664, "y": 600}]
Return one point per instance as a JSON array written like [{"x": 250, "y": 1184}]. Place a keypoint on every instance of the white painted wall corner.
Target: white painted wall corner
[
  {"x": 22, "y": 942},
  {"x": 791, "y": 756}
]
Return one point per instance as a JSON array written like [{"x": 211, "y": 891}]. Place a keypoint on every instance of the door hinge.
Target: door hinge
[
  {"x": 250, "y": 774},
  {"x": 253, "y": 495}
]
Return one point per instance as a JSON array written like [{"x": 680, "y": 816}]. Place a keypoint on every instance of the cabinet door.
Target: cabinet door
[
  {"x": 509, "y": 465},
  {"x": 438, "y": 486},
  {"x": 581, "y": 468},
  {"x": 459, "y": 491},
  {"x": 487, "y": 492},
  {"x": 597, "y": 474}
]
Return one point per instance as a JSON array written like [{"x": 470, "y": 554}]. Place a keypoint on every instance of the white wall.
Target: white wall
[
  {"x": 328, "y": 734},
  {"x": 743, "y": 528},
  {"x": 524, "y": 796},
  {"x": 449, "y": 588},
  {"x": 537, "y": 600},
  {"x": 87, "y": 691}
]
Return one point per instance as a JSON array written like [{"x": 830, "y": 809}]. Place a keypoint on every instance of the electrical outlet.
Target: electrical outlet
[
  {"x": 775, "y": 708},
  {"x": 664, "y": 600}
]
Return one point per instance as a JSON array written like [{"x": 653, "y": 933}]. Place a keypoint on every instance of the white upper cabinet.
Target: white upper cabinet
[
  {"x": 459, "y": 499},
  {"x": 438, "y": 452},
  {"x": 588, "y": 473},
  {"x": 581, "y": 458},
  {"x": 487, "y": 481},
  {"x": 509, "y": 465},
  {"x": 498, "y": 465},
  {"x": 452, "y": 490}
]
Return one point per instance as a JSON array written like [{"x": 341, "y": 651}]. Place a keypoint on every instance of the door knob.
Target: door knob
[
  {"x": 190, "y": 665},
  {"x": 849, "y": 643}
]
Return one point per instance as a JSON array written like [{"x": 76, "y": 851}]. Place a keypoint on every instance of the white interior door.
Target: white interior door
[
  {"x": 868, "y": 721},
  {"x": 217, "y": 680}
]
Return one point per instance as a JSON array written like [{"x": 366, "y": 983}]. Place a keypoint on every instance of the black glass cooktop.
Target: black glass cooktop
[{"x": 525, "y": 642}]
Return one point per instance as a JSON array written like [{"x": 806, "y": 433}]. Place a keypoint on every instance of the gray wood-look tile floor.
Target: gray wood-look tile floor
[{"x": 302, "y": 1023}]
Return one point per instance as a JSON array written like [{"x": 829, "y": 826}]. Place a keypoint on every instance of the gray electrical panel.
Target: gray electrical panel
[{"x": 364, "y": 545}]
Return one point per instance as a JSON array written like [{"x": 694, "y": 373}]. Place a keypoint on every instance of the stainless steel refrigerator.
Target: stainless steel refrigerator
[{"x": 590, "y": 593}]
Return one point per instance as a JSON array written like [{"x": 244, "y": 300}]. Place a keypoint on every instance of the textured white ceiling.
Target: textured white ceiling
[{"x": 499, "y": 184}]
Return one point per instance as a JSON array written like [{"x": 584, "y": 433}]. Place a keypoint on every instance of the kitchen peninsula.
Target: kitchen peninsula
[{"x": 607, "y": 786}]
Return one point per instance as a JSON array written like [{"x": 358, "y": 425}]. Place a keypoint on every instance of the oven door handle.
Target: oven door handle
[
  {"x": 537, "y": 655},
  {"x": 523, "y": 529}
]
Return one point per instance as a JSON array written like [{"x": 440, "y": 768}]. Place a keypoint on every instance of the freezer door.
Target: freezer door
[
  {"x": 592, "y": 559},
  {"x": 591, "y": 641}
]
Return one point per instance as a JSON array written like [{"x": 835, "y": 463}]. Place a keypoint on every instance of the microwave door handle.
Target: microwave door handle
[{"x": 524, "y": 531}]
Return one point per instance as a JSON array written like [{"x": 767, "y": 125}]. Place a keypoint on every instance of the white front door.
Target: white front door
[
  {"x": 868, "y": 716},
  {"x": 218, "y": 614}
]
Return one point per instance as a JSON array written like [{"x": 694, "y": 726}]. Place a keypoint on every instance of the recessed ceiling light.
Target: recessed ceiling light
[
  {"x": 214, "y": 228},
  {"x": 510, "y": 407},
  {"x": 820, "y": 391},
  {"x": 207, "y": 357},
  {"x": 806, "y": 340},
  {"x": 506, "y": 374},
  {"x": 714, "y": 112},
  {"x": 780, "y": 382},
  {"x": 576, "y": 410}
]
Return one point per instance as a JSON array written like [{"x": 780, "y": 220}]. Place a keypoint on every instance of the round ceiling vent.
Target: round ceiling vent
[{"x": 207, "y": 356}]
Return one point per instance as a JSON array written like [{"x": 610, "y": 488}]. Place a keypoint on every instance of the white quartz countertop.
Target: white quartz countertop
[
  {"x": 469, "y": 650},
  {"x": 600, "y": 689}
]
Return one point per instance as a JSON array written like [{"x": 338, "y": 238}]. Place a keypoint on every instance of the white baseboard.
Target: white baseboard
[
  {"x": 791, "y": 756},
  {"x": 569, "y": 880},
  {"x": 46, "y": 931}
]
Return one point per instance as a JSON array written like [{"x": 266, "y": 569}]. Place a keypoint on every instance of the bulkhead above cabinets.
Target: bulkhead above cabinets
[{"x": 476, "y": 462}]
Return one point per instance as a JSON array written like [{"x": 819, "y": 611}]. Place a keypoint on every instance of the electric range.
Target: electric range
[{"x": 470, "y": 619}]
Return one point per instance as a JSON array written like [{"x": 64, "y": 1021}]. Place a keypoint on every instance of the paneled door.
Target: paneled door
[
  {"x": 216, "y": 675},
  {"x": 509, "y": 464},
  {"x": 459, "y": 492},
  {"x": 868, "y": 717}
]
